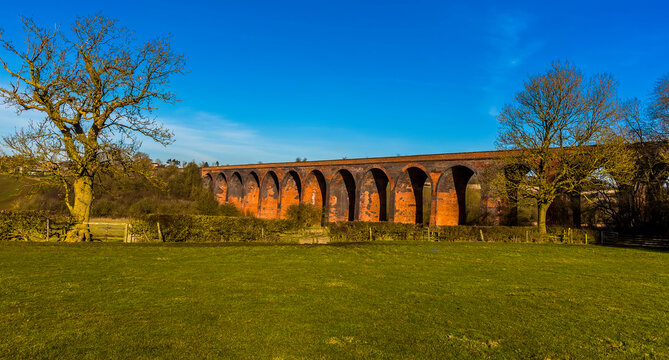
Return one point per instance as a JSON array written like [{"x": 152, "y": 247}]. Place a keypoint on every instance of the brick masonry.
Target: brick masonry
[{"x": 372, "y": 189}]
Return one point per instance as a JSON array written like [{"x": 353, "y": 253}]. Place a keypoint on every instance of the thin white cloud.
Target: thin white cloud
[{"x": 209, "y": 137}]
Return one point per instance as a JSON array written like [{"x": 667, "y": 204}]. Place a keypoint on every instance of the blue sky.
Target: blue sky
[{"x": 275, "y": 80}]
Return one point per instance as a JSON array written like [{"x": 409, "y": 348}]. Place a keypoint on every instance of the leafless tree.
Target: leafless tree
[
  {"x": 659, "y": 109},
  {"x": 643, "y": 206},
  {"x": 566, "y": 136},
  {"x": 95, "y": 86}
]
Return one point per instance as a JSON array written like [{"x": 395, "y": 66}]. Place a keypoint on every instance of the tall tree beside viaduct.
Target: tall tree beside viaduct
[
  {"x": 566, "y": 136},
  {"x": 94, "y": 87}
]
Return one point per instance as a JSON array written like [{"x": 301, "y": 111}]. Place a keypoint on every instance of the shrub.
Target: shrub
[
  {"x": 227, "y": 209},
  {"x": 304, "y": 215},
  {"x": 202, "y": 228},
  {"x": 104, "y": 208},
  {"x": 31, "y": 225},
  {"x": 206, "y": 204},
  {"x": 143, "y": 207}
]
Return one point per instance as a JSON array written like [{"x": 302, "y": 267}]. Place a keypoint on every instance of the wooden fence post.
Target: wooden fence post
[
  {"x": 571, "y": 236},
  {"x": 47, "y": 229},
  {"x": 160, "y": 234}
]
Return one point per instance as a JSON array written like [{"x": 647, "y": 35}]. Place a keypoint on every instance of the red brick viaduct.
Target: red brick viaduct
[{"x": 396, "y": 189}]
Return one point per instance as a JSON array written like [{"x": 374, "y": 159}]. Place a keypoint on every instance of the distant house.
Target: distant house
[{"x": 38, "y": 172}]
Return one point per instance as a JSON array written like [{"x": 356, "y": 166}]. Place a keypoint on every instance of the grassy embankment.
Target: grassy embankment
[
  {"x": 418, "y": 300},
  {"x": 11, "y": 190}
]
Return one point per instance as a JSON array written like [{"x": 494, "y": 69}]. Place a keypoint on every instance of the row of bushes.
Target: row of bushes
[
  {"x": 157, "y": 205},
  {"x": 201, "y": 228},
  {"x": 33, "y": 225},
  {"x": 204, "y": 228},
  {"x": 372, "y": 231}
]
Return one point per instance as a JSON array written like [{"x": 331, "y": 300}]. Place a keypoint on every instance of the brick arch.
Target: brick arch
[
  {"x": 314, "y": 189},
  {"x": 408, "y": 193},
  {"x": 220, "y": 188},
  {"x": 291, "y": 190},
  {"x": 236, "y": 190},
  {"x": 476, "y": 203},
  {"x": 513, "y": 174},
  {"x": 415, "y": 165},
  {"x": 269, "y": 196},
  {"x": 385, "y": 171},
  {"x": 451, "y": 196},
  {"x": 251, "y": 194},
  {"x": 208, "y": 181},
  {"x": 373, "y": 201},
  {"x": 341, "y": 196}
]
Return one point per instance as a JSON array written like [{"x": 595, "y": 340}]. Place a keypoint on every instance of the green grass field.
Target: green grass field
[{"x": 399, "y": 300}]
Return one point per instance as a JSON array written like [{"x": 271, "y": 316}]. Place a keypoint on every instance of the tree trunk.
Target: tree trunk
[
  {"x": 576, "y": 210},
  {"x": 81, "y": 210},
  {"x": 541, "y": 217}
]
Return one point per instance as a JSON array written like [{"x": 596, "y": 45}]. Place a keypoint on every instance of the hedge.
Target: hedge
[
  {"x": 30, "y": 225},
  {"x": 203, "y": 228},
  {"x": 372, "y": 231}
]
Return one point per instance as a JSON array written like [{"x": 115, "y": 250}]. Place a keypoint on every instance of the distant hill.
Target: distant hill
[{"x": 13, "y": 189}]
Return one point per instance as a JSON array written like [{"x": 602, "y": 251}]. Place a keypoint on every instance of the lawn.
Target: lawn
[{"x": 392, "y": 300}]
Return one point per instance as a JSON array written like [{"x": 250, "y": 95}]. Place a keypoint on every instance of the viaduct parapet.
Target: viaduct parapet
[{"x": 438, "y": 189}]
